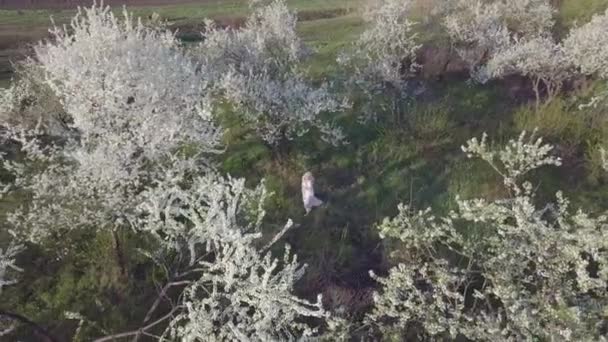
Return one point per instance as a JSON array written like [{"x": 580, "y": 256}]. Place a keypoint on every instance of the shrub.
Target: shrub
[
  {"x": 256, "y": 68},
  {"x": 531, "y": 272},
  {"x": 383, "y": 58},
  {"x": 539, "y": 58},
  {"x": 133, "y": 102}
]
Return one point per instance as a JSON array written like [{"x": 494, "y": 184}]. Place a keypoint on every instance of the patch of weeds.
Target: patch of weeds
[
  {"x": 245, "y": 157},
  {"x": 474, "y": 178},
  {"x": 556, "y": 120},
  {"x": 430, "y": 122},
  {"x": 475, "y": 105},
  {"x": 573, "y": 12}
]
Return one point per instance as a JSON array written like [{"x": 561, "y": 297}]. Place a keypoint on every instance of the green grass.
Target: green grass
[
  {"x": 328, "y": 37},
  {"x": 556, "y": 120},
  {"x": 579, "y": 11},
  {"x": 179, "y": 14},
  {"x": 326, "y": 25}
]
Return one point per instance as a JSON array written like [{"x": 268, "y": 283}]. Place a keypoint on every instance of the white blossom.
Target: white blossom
[
  {"x": 7, "y": 99},
  {"x": 122, "y": 81},
  {"x": 528, "y": 17},
  {"x": 389, "y": 41},
  {"x": 406, "y": 303},
  {"x": 383, "y": 58},
  {"x": 29, "y": 102},
  {"x": 241, "y": 292},
  {"x": 221, "y": 210},
  {"x": 256, "y": 68},
  {"x": 516, "y": 159},
  {"x": 245, "y": 296},
  {"x": 482, "y": 28},
  {"x": 282, "y": 108},
  {"x": 541, "y": 59},
  {"x": 501, "y": 269},
  {"x": 587, "y": 46},
  {"x": 135, "y": 104},
  {"x": 267, "y": 42},
  {"x": 478, "y": 27},
  {"x": 7, "y": 264}
]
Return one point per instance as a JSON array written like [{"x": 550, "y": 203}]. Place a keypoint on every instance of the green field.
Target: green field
[
  {"x": 326, "y": 25},
  {"x": 319, "y": 21}
]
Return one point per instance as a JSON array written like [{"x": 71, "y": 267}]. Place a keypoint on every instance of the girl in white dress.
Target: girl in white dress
[{"x": 308, "y": 192}]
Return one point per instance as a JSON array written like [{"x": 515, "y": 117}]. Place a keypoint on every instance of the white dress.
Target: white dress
[{"x": 308, "y": 192}]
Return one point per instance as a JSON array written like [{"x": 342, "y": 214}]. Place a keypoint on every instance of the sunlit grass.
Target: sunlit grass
[
  {"x": 579, "y": 11},
  {"x": 328, "y": 37}
]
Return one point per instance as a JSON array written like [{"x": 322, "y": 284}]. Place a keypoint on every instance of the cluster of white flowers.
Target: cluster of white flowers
[
  {"x": 499, "y": 38},
  {"x": 528, "y": 17},
  {"x": 133, "y": 103},
  {"x": 477, "y": 29},
  {"x": 267, "y": 42},
  {"x": 244, "y": 296},
  {"x": 133, "y": 153},
  {"x": 7, "y": 268},
  {"x": 7, "y": 99},
  {"x": 29, "y": 103},
  {"x": 587, "y": 45},
  {"x": 516, "y": 159},
  {"x": 384, "y": 57},
  {"x": 124, "y": 82},
  {"x": 7, "y": 264},
  {"x": 502, "y": 269},
  {"x": 389, "y": 42},
  {"x": 267, "y": 101},
  {"x": 481, "y": 28},
  {"x": 256, "y": 68},
  {"x": 222, "y": 211},
  {"x": 242, "y": 293},
  {"x": 538, "y": 58}
]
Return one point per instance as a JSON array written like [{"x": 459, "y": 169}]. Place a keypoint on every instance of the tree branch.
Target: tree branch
[
  {"x": 138, "y": 331},
  {"x": 157, "y": 302},
  {"x": 276, "y": 238},
  {"x": 160, "y": 297}
]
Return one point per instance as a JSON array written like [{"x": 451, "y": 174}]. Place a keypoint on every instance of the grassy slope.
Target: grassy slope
[
  {"x": 386, "y": 164},
  {"x": 362, "y": 182}
]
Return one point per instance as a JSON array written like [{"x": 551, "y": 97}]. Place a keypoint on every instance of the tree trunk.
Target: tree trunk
[
  {"x": 119, "y": 254},
  {"x": 536, "y": 85},
  {"x": 282, "y": 148}
]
